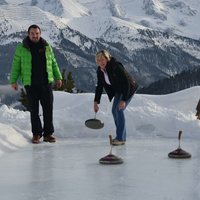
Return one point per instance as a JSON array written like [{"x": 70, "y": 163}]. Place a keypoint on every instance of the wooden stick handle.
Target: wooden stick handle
[
  {"x": 110, "y": 136},
  {"x": 179, "y": 135}
]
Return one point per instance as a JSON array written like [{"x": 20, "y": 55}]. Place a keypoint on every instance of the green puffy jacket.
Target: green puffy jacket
[{"x": 22, "y": 65}]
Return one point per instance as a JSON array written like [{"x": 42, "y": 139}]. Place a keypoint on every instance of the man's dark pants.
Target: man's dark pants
[{"x": 41, "y": 94}]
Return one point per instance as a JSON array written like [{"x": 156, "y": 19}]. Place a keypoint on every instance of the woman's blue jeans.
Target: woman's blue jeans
[{"x": 119, "y": 117}]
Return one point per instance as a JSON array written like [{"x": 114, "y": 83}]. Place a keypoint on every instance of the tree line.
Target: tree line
[{"x": 184, "y": 80}]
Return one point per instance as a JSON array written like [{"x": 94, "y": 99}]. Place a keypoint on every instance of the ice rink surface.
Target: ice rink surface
[{"x": 70, "y": 169}]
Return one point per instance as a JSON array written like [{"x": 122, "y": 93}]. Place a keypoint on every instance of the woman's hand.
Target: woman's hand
[
  {"x": 122, "y": 105},
  {"x": 96, "y": 107}
]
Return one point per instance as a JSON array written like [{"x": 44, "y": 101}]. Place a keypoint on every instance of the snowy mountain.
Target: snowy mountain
[
  {"x": 62, "y": 8},
  {"x": 177, "y": 16},
  {"x": 152, "y": 38}
]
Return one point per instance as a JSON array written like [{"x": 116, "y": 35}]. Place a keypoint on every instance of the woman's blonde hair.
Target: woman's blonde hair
[{"x": 104, "y": 53}]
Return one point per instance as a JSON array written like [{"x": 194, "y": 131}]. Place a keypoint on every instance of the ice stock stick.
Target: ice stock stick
[
  {"x": 110, "y": 136},
  {"x": 179, "y": 138}
]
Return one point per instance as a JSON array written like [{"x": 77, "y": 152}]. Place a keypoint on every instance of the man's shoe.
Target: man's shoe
[
  {"x": 116, "y": 142},
  {"x": 49, "y": 138},
  {"x": 36, "y": 139}
]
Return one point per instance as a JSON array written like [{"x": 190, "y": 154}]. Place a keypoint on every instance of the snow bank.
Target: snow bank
[{"x": 146, "y": 116}]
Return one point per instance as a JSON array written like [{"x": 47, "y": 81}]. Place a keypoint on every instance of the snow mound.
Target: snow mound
[{"x": 148, "y": 116}]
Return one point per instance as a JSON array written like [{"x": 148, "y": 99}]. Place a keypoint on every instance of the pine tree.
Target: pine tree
[
  {"x": 67, "y": 85},
  {"x": 24, "y": 100},
  {"x": 64, "y": 84},
  {"x": 80, "y": 91},
  {"x": 70, "y": 83}
]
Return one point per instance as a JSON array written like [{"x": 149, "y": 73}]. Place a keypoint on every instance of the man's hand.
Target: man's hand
[
  {"x": 58, "y": 83},
  {"x": 14, "y": 86}
]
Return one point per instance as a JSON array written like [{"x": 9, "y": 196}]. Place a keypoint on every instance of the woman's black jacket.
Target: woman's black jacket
[{"x": 121, "y": 81}]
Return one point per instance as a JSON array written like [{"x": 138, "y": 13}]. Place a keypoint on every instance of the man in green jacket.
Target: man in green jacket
[{"x": 35, "y": 64}]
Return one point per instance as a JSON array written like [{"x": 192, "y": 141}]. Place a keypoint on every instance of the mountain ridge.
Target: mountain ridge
[{"x": 145, "y": 43}]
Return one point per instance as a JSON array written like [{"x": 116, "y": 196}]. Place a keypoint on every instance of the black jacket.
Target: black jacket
[
  {"x": 121, "y": 81},
  {"x": 38, "y": 73}
]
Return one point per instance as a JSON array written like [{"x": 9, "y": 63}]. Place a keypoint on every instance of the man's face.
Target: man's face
[{"x": 34, "y": 35}]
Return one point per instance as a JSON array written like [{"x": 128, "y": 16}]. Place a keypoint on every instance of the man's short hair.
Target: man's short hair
[{"x": 33, "y": 26}]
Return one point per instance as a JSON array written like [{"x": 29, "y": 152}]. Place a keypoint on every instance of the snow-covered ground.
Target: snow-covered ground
[{"x": 70, "y": 169}]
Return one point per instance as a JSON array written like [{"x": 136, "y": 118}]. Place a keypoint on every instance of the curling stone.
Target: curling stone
[
  {"x": 111, "y": 158},
  {"x": 179, "y": 153}
]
